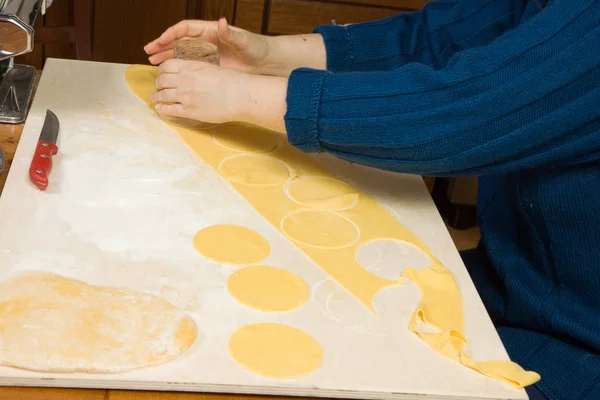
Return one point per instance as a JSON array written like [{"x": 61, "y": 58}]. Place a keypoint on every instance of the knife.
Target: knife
[{"x": 41, "y": 165}]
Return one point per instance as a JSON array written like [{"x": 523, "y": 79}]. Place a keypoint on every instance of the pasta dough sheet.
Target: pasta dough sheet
[{"x": 329, "y": 222}]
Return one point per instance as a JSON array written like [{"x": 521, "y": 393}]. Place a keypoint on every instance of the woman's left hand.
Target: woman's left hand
[{"x": 209, "y": 93}]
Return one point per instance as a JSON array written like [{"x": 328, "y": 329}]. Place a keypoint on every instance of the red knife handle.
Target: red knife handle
[{"x": 42, "y": 164}]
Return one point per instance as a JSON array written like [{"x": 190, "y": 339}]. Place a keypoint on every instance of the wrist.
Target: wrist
[
  {"x": 262, "y": 101},
  {"x": 275, "y": 63}
]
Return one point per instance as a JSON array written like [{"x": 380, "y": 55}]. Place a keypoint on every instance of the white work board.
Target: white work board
[{"x": 126, "y": 196}]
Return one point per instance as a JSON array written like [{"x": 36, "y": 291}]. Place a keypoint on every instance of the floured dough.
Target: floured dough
[
  {"x": 169, "y": 293},
  {"x": 321, "y": 229},
  {"x": 231, "y": 245},
  {"x": 55, "y": 324},
  {"x": 261, "y": 182},
  {"x": 245, "y": 138},
  {"x": 322, "y": 193},
  {"x": 269, "y": 289},
  {"x": 253, "y": 170},
  {"x": 439, "y": 321},
  {"x": 275, "y": 350}
]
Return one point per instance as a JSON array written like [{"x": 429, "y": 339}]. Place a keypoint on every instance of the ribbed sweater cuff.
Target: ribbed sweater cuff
[
  {"x": 337, "y": 47},
  {"x": 303, "y": 106}
]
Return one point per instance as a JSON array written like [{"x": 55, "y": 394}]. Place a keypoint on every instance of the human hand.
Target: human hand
[
  {"x": 238, "y": 49},
  {"x": 209, "y": 93}
]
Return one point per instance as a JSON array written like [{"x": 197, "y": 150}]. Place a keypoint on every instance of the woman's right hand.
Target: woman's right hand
[{"x": 238, "y": 49}]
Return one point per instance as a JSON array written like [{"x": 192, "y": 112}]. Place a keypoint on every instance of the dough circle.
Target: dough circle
[
  {"x": 320, "y": 229},
  {"x": 245, "y": 138},
  {"x": 275, "y": 350},
  {"x": 254, "y": 170},
  {"x": 322, "y": 193},
  {"x": 268, "y": 289},
  {"x": 231, "y": 245},
  {"x": 54, "y": 324}
]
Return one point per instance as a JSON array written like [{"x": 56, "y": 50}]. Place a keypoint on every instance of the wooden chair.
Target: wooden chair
[{"x": 79, "y": 32}]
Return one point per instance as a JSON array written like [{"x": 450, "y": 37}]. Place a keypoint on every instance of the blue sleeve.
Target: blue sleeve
[
  {"x": 430, "y": 36},
  {"x": 527, "y": 100}
]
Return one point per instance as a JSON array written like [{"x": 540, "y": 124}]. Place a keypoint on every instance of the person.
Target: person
[{"x": 507, "y": 90}]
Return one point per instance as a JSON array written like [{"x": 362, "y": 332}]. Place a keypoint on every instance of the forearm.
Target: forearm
[
  {"x": 430, "y": 36},
  {"x": 290, "y": 52},
  {"x": 496, "y": 109}
]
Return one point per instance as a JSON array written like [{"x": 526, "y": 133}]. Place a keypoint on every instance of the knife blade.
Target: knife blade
[{"x": 41, "y": 165}]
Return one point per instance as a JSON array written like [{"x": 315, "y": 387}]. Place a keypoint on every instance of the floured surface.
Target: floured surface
[
  {"x": 128, "y": 199},
  {"x": 54, "y": 324}
]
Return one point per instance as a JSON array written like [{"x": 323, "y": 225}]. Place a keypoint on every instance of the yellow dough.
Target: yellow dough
[
  {"x": 277, "y": 201},
  {"x": 266, "y": 288},
  {"x": 231, "y": 245},
  {"x": 322, "y": 193},
  {"x": 253, "y": 170},
  {"x": 439, "y": 321},
  {"x": 245, "y": 138},
  {"x": 272, "y": 203},
  {"x": 54, "y": 324},
  {"x": 275, "y": 350},
  {"x": 321, "y": 229}
]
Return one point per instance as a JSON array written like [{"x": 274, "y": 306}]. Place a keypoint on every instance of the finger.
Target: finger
[
  {"x": 165, "y": 96},
  {"x": 166, "y": 81},
  {"x": 181, "y": 30},
  {"x": 176, "y": 66},
  {"x": 184, "y": 29},
  {"x": 173, "y": 110},
  {"x": 153, "y": 47},
  {"x": 171, "y": 66},
  {"x": 156, "y": 47},
  {"x": 229, "y": 35},
  {"x": 161, "y": 57}
]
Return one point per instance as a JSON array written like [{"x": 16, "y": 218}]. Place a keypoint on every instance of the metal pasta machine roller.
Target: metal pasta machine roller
[{"x": 17, "y": 26}]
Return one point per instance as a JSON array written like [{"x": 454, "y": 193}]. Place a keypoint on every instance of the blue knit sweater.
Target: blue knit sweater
[{"x": 508, "y": 90}]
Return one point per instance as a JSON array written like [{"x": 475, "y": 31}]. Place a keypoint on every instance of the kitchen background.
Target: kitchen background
[{"x": 116, "y": 30}]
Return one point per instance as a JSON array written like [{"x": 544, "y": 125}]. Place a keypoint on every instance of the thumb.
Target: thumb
[{"x": 230, "y": 36}]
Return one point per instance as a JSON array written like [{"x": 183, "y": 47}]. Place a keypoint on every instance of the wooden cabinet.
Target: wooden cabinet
[
  {"x": 121, "y": 28},
  {"x": 276, "y": 17}
]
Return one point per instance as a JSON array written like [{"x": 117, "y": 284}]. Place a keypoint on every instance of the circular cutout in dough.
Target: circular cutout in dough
[
  {"x": 321, "y": 229},
  {"x": 254, "y": 170},
  {"x": 268, "y": 289},
  {"x": 387, "y": 258},
  {"x": 275, "y": 350},
  {"x": 245, "y": 138},
  {"x": 322, "y": 193},
  {"x": 231, "y": 245}
]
